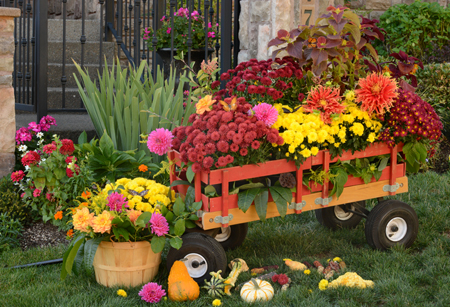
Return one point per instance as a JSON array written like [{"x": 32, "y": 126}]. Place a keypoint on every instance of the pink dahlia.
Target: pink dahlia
[
  {"x": 116, "y": 202},
  {"x": 326, "y": 100},
  {"x": 266, "y": 113},
  {"x": 152, "y": 292},
  {"x": 159, "y": 224},
  {"x": 377, "y": 93},
  {"x": 160, "y": 141}
]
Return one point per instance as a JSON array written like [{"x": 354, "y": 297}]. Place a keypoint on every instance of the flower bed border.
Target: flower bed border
[{"x": 306, "y": 200}]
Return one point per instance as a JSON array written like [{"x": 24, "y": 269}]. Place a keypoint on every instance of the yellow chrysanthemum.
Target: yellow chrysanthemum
[{"x": 102, "y": 222}]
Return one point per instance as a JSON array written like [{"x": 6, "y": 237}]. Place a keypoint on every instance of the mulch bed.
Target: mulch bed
[
  {"x": 440, "y": 160},
  {"x": 42, "y": 235}
]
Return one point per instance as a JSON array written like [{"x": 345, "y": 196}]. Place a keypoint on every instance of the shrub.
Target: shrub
[
  {"x": 11, "y": 203},
  {"x": 433, "y": 87},
  {"x": 10, "y": 231},
  {"x": 423, "y": 24}
]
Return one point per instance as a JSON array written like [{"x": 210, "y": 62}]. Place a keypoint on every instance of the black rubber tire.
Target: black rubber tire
[
  {"x": 327, "y": 217},
  {"x": 379, "y": 218},
  {"x": 236, "y": 238},
  {"x": 204, "y": 245}
]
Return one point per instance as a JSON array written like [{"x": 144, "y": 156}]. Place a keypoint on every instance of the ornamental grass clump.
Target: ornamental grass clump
[{"x": 227, "y": 133}]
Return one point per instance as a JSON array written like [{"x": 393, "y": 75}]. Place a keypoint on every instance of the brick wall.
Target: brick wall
[{"x": 7, "y": 114}]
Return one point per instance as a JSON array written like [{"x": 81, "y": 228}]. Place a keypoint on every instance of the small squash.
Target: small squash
[
  {"x": 295, "y": 265},
  {"x": 182, "y": 287},
  {"x": 257, "y": 290},
  {"x": 231, "y": 279},
  {"x": 215, "y": 285}
]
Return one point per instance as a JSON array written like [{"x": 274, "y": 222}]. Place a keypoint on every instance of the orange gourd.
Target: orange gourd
[{"x": 182, "y": 287}]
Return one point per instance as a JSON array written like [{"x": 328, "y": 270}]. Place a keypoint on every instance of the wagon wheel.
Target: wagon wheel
[
  {"x": 202, "y": 255},
  {"x": 391, "y": 223},
  {"x": 341, "y": 216},
  {"x": 233, "y": 236}
]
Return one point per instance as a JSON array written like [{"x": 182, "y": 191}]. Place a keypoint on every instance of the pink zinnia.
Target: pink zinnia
[
  {"x": 17, "y": 176},
  {"x": 49, "y": 148},
  {"x": 160, "y": 141},
  {"x": 159, "y": 224},
  {"x": 116, "y": 202},
  {"x": 266, "y": 113},
  {"x": 152, "y": 292},
  {"x": 37, "y": 193}
]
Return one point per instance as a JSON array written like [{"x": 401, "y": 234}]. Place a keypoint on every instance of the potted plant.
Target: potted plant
[
  {"x": 181, "y": 34},
  {"x": 121, "y": 231}
]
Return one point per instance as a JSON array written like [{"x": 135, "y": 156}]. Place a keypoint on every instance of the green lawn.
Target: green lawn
[{"x": 418, "y": 276}]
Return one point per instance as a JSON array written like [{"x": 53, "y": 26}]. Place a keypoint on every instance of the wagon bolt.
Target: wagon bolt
[
  {"x": 210, "y": 220},
  {"x": 394, "y": 228}
]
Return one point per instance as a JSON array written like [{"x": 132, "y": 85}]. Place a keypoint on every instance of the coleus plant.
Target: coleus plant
[{"x": 334, "y": 45}]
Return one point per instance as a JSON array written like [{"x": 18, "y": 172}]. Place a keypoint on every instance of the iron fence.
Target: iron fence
[{"x": 43, "y": 74}]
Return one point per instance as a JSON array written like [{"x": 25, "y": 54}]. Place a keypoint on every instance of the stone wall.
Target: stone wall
[
  {"x": 375, "y": 8},
  {"x": 74, "y": 9},
  {"x": 260, "y": 20},
  {"x": 7, "y": 113}
]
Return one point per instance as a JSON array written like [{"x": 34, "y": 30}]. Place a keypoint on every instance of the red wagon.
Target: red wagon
[{"x": 222, "y": 225}]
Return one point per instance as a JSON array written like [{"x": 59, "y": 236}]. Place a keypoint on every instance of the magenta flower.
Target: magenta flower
[
  {"x": 152, "y": 292},
  {"x": 23, "y": 135},
  {"x": 35, "y": 127},
  {"x": 159, "y": 225},
  {"x": 160, "y": 141},
  {"x": 168, "y": 30},
  {"x": 211, "y": 34},
  {"x": 116, "y": 202},
  {"x": 162, "y": 19},
  {"x": 37, "y": 193},
  {"x": 266, "y": 113},
  {"x": 17, "y": 176},
  {"x": 46, "y": 122}
]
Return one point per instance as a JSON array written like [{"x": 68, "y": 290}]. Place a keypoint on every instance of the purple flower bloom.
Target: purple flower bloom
[
  {"x": 152, "y": 292},
  {"x": 266, "y": 113},
  {"x": 159, "y": 224},
  {"x": 160, "y": 141},
  {"x": 116, "y": 202}
]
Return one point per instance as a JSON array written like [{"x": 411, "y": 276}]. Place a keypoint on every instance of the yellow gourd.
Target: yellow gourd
[
  {"x": 295, "y": 265},
  {"x": 182, "y": 287},
  {"x": 352, "y": 280},
  {"x": 257, "y": 290},
  {"x": 231, "y": 279}
]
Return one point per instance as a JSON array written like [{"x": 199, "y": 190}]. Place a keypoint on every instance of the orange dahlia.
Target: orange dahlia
[
  {"x": 377, "y": 93},
  {"x": 326, "y": 100}
]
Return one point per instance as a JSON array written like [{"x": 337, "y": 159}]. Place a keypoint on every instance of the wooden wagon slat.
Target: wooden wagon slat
[{"x": 350, "y": 194}]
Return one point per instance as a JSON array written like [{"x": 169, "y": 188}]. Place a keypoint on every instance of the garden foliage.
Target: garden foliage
[
  {"x": 10, "y": 231},
  {"x": 120, "y": 105},
  {"x": 416, "y": 28},
  {"x": 11, "y": 203}
]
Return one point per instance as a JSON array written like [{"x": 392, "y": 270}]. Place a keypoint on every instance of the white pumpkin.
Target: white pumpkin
[{"x": 257, "y": 290}]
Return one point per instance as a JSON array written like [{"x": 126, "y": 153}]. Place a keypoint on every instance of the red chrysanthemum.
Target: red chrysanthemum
[
  {"x": 210, "y": 148},
  {"x": 243, "y": 152},
  {"x": 215, "y": 136},
  {"x": 326, "y": 100},
  {"x": 230, "y": 159},
  {"x": 222, "y": 161},
  {"x": 196, "y": 167},
  {"x": 222, "y": 146},
  {"x": 237, "y": 138},
  {"x": 208, "y": 162},
  {"x": 377, "y": 93},
  {"x": 234, "y": 147},
  {"x": 255, "y": 144}
]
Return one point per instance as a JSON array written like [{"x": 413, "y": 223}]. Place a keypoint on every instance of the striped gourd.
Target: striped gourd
[{"x": 257, "y": 290}]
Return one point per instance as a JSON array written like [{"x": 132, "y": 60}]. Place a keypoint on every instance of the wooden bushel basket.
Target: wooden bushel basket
[{"x": 126, "y": 264}]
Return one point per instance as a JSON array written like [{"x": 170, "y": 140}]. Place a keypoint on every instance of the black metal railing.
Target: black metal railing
[{"x": 43, "y": 73}]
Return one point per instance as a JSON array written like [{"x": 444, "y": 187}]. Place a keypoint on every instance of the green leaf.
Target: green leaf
[
  {"x": 157, "y": 244},
  {"x": 179, "y": 182},
  {"x": 169, "y": 216},
  {"x": 90, "y": 248},
  {"x": 197, "y": 205},
  {"x": 377, "y": 174},
  {"x": 39, "y": 183},
  {"x": 284, "y": 192},
  {"x": 190, "y": 174},
  {"x": 143, "y": 219},
  {"x": 190, "y": 224},
  {"x": 178, "y": 206},
  {"x": 190, "y": 197},
  {"x": 210, "y": 190},
  {"x": 279, "y": 200},
  {"x": 251, "y": 186},
  {"x": 180, "y": 227},
  {"x": 78, "y": 262},
  {"x": 176, "y": 242},
  {"x": 82, "y": 138},
  {"x": 106, "y": 145},
  {"x": 246, "y": 198},
  {"x": 339, "y": 182},
  {"x": 71, "y": 257},
  {"x": 59, "y": 173},
  {"x": 367, "y": 177},
  {"x": 261, "y": 200},
  {"x": 383, "y": 164}
]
